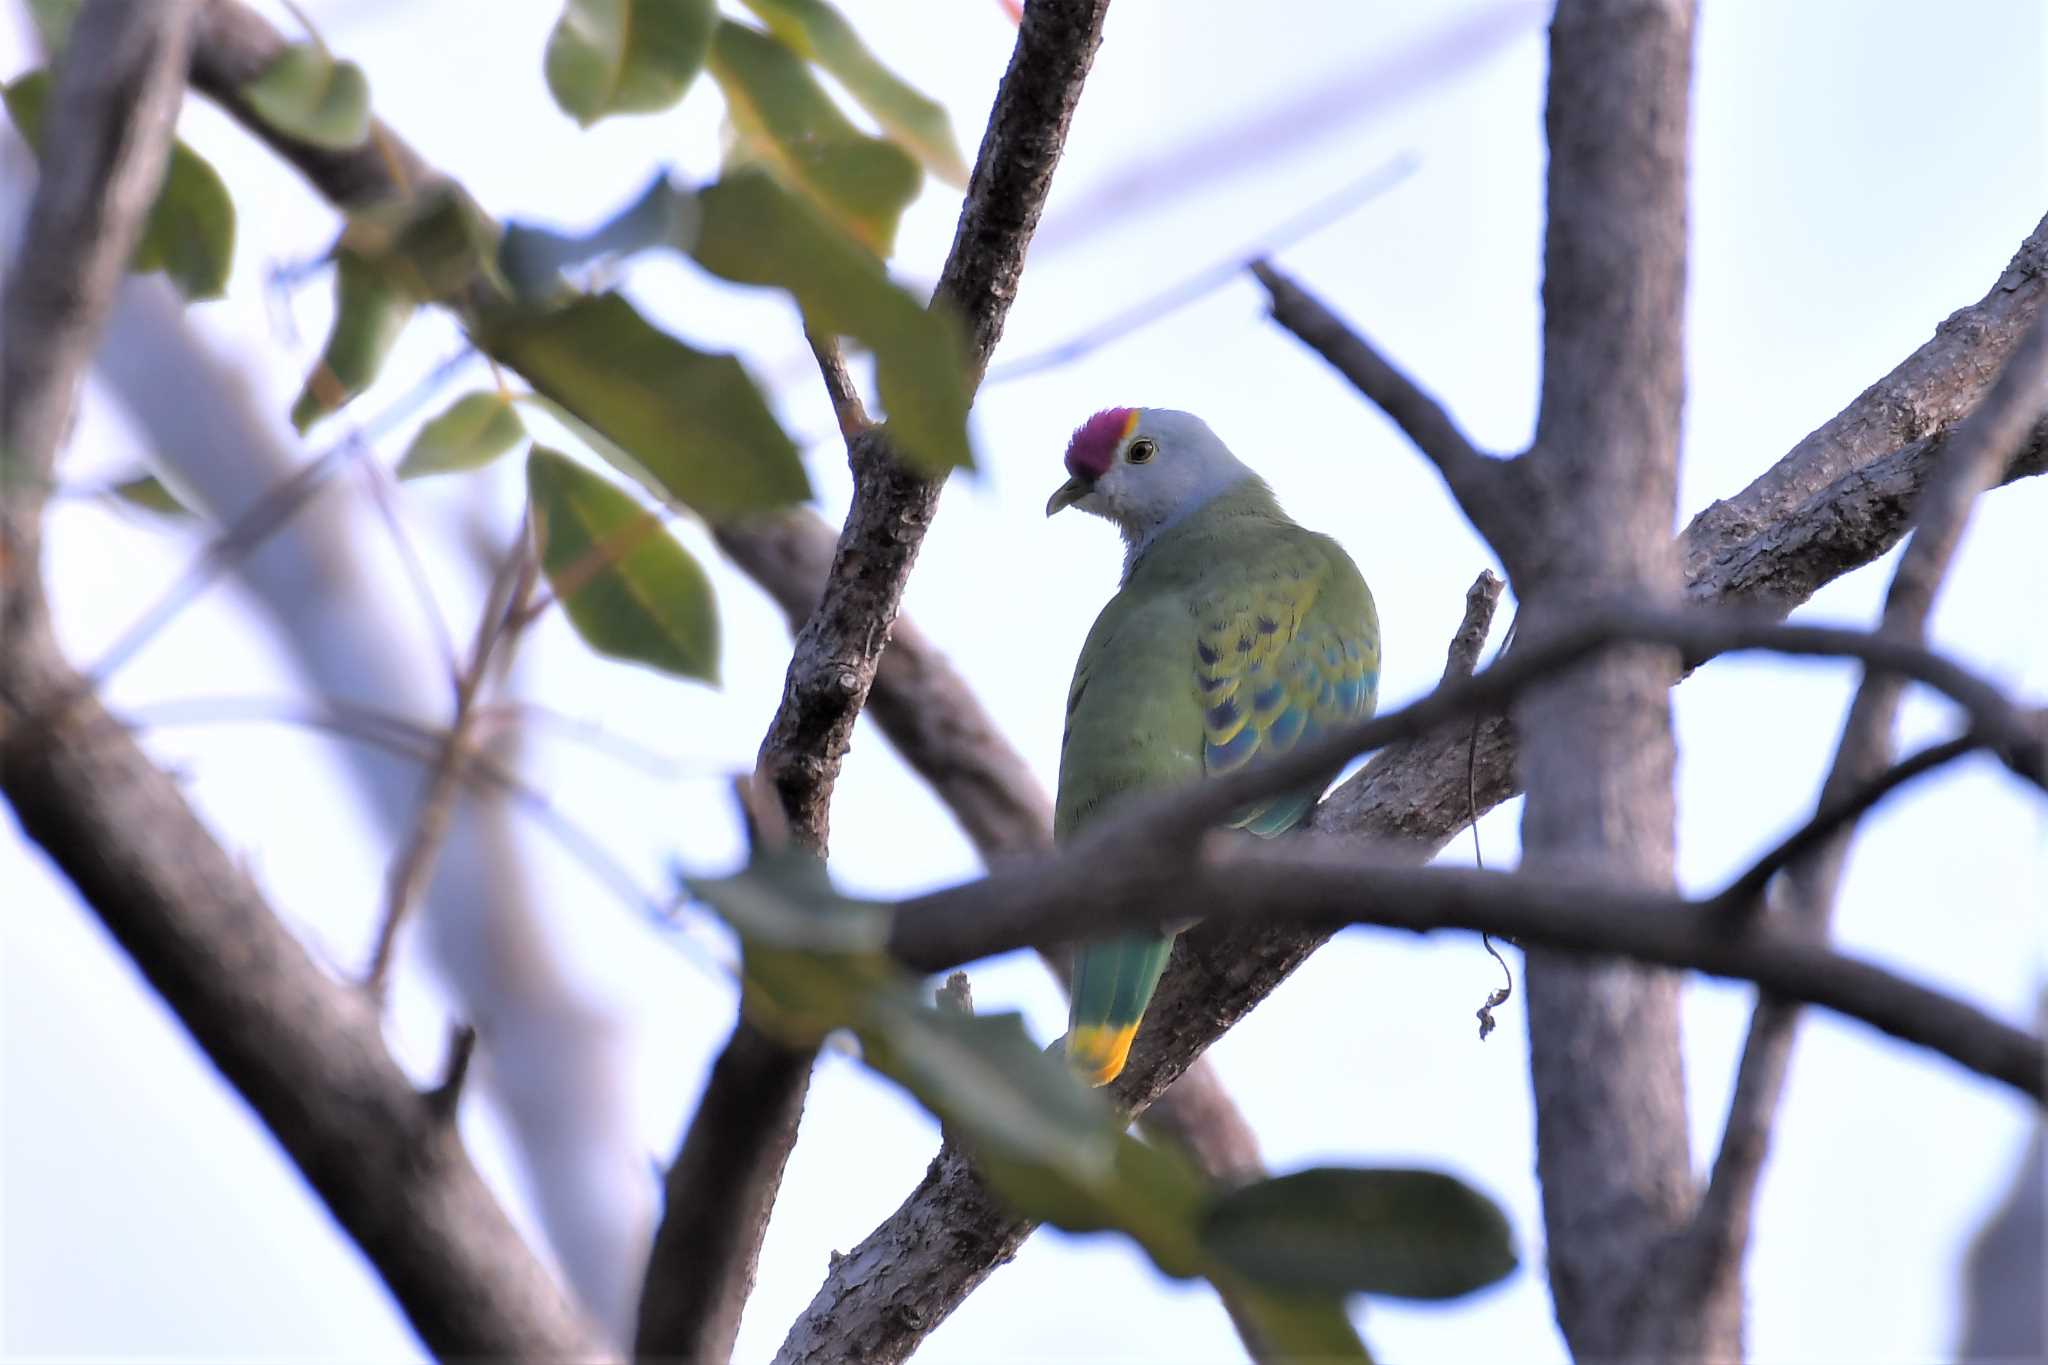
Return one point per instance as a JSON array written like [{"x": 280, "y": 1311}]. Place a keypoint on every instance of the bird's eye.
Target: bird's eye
[{"x": 1141, "y": 451}]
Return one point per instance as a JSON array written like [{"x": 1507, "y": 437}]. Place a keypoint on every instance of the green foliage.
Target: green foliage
[
  {"x": 433, "y": 246},
  {"x": 52, "y": 19},
  {"x": 755, "y": 232},
  {"x": 368, "y": 316},
  {"x": 689, "y": 425},
  {"x": 152, "y": 494},
  {"x": 1408, "y": 1233},
  {"x": 309, "y": 95},
  {"x": 190, "y": 232},
  {"x": 1285, "y": 1251},
  {"x": 626, "y": 56},
  {"x": 630, "y": 590},
  {"x": 819, "y": 33},
  {"x": 476, "y": 429},
  {"x": 786, "y": 121}
]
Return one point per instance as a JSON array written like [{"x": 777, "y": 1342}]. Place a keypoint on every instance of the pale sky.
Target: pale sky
[{"x": 1860, "y": 170}]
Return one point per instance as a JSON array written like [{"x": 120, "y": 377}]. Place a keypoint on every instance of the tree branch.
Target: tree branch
[
  {"x": 303, "y": 1051},
  {"x": 1477, "y": 481},
  {"x": 1922, "y": 397},
  {"x": 1975, "y": 458},
  {"x": 1333, "y": 884},
  {"x": 757, "y": 1087},
  {"x": 1744, "y": 896}
]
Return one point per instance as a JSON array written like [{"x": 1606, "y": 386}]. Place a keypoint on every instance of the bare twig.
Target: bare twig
[
  {"x": 1478, "y": 482},
  {"x": 1744, "y": 895},
  {"x": 1165, "y": 302},
  {"x": 1482, "y": 599},
  {"x": 446, "y": 1096},
  {"x": 413, "y": 868},
  {"x": 847, "y": 407},
  {"x": 303, "y": 1051},
  {"x": 1976, "y": 457},
  {"x": 422, "y": 744}
]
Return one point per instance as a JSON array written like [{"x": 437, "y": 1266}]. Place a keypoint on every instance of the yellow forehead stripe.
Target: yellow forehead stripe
[{"x": 1130, "y": 425}]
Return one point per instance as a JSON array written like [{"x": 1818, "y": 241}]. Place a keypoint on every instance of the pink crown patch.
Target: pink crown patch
[{"x": 1094, "y": 447}]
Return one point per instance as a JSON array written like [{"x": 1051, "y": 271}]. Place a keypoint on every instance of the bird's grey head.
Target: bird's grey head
[{"x": 1145, "y": 469}]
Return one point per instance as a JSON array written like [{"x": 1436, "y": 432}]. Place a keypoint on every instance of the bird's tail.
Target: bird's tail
[{"x": 1113, "y": 982}]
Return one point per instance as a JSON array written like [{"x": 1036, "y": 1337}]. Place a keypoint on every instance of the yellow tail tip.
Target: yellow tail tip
[{"x": 1098, "y": 1051}]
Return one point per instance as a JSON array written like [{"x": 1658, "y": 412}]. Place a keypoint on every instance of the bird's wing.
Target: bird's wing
[{"x": 1288, "y": 650}]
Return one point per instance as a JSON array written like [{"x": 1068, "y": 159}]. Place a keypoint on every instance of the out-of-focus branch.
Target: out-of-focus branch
[
  {"x": 1480, "y": 484},
  {"x": 1742, "y": 896},
  {"x": 1320, "y": 882},
  {"x": 756, "y": 1088},
  {"x": 413, "y": 868},
  {"x": 305, "y": 1052},
  {"x": 1975, "y": 458},
  {"x": 2005, "y": 1317}
]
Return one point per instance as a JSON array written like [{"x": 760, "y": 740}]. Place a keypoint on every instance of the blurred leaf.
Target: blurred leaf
[
  {"x": 476, "y": 429},
  {"x": 983, "y": 1072},
  {"x": 785, "y": 120},
  {"x": 152, "y": 494},
  {"x": 431, "y": 246},
  {"x": 190, "y": 232},
  {"x": 368, "y": 316},
  {"x": 819, "y": 33},
  {"x": 1407, "y": 1233},
  {"x": 307, "y": 94},
  {"x": 533, "y": 259},
  {"x": 755, "y": 232},
  {"x": 693, "y": 426},
  {"x": 784, "y": 899},
  {"x": 812, "y": 958},
  {"x": 626, "y": 56},
  {"x": 630, "y": 590},
  {"x": 52, "y": 19}
]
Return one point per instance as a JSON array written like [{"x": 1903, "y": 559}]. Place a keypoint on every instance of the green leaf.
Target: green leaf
[
  {"x": 1408, "y": 1233},
  {"x": 754, "y": 232},
  {"x": 368, "y": 316},
  {"x": 983, "y": 1072},
  {"x": 432, "y": 246},
  {"x": 53, "y": 19},
  {"x": 693, "y": 426},
  {"x": 152, "y": 494},
  {"x": 476, "y": 429},
  {"x": 533, "y": 259},
  {"x": 630, "y": 590},
  {"x": 626, "y": 56},
  {"x": 190, "y": 232},
  {"x": 307, "y": 94},
  {"x": 817, "y": 32},
  {"x": 787, "y": 121}
]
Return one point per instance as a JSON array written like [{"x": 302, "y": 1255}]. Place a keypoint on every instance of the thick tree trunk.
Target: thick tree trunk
[{"x": 1597, "y": 755}]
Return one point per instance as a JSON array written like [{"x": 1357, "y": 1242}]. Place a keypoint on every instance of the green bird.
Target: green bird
[{"x": 1236, "y": 634}]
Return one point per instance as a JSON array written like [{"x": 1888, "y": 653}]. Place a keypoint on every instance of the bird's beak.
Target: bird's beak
[{"x": 1070, "y": 492}]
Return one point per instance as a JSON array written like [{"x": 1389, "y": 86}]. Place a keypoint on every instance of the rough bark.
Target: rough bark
[{"x": 1597, "y": 756}]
